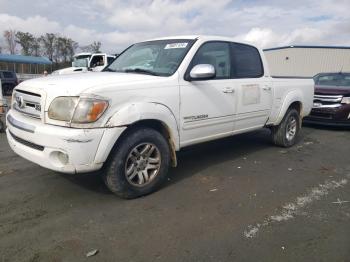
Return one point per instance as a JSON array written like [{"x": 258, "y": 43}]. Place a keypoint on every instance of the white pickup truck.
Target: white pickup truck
[
  {"x": 83, "y": 62},
  {"x": 157, "y": 97}
]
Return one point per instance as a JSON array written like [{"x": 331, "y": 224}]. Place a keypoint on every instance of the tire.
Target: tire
[
  {"x": 138, "y": 165},
  {"x": 287, "y": 132}
]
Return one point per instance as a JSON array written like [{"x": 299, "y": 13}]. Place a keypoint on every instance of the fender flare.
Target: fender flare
[
  {"x": 292, "y": 97},
  {"x": 132, "y": 113},
  {"x": 129, "y": 114}
]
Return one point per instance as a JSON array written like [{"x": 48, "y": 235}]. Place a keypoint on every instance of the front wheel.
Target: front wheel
[
  {"x": 139, "y": 164},
  {"x": 287, "y": 132}
]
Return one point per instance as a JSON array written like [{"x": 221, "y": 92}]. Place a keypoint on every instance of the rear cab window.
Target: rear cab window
[{"x": 246, "y": 61}]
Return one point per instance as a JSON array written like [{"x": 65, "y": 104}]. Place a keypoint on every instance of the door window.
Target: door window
[
  {"x": 216, "y": 54},
  {"x": 97, "y": 60}
]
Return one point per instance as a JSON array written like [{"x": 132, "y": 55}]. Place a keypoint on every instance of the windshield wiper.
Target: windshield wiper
[
  {"x": 140, "y": 70},
  {"x": 109, "y": 70}
]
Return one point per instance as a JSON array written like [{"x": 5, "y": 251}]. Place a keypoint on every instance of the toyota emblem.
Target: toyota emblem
[{"x": 20, "y": 102}]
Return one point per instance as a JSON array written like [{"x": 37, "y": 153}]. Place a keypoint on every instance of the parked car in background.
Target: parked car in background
[
  {"x": 156, "y": 98},
  {"x": 3, "y": 110},
  {"x": 8, "y": 82},
  {"x": 87, "y": 61},
  {"x": 332, "y": 100}
]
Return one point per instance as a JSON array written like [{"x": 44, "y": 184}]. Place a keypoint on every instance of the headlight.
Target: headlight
[
  {"x": 62, "y": 108},
  {"x": 89, "y": 110},
  {"x": 345, "y": 100},
  {"x": 77, "y": 110}
]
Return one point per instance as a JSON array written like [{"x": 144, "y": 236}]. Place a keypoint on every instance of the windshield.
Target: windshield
[
  {"x": 160, "y": 58},
  {"x": 336, "y": 79},
  {"x": 80, "y": 61}
]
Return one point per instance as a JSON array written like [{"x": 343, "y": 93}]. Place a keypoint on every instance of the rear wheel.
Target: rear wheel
[
  {"x": 287, "y": 132},
  {"x": 139, "y": 164}
]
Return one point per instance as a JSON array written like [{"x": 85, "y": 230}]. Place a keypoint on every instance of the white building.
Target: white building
[{"x": 307, "y": 61}]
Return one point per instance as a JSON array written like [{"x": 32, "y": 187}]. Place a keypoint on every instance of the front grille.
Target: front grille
[
  {"x": 27, "y": 93},
  {"x": 27, "y": 143},
  {"x": 27, "y": 103},
  {"x": 327, "y": 101}
]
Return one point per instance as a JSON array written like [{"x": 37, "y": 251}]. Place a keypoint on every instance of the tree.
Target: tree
[
  {"x": 71, "y": 47},
  {"x": 64, "y": 49},
  {"x": 94, "y": 47},
  {"x": 36, "y": 48},
  {"x": 10, "y": 39},
  {"x": 29, "y": 43},
  {"x": 48, "y": 44},
  {"x": 26, "y": 41}
]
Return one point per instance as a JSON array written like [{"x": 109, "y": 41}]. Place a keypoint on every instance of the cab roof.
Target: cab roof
[{"x": 200, "y": 37}]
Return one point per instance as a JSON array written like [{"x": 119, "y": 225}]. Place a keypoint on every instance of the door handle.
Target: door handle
[
  {"x": 267, "y": 88},
  {"x": 228, "y": 90}
]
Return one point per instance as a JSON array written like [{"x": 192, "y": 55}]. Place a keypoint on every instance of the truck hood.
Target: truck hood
[
  {"x": 76, "y": 84},
  {"x": 332, "y": 90},
  {"x": 69, "y": 70}
]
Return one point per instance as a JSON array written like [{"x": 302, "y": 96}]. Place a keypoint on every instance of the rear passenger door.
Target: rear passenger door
[{"x": 254, "y": 90}]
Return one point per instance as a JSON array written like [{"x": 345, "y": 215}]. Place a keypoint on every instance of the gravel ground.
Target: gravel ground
[{"x": 236, "y": 199}]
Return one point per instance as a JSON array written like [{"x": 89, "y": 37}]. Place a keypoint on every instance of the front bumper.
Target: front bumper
[
  {"x": 337, "y": 116},
  {"x": 62, "y": 149}
]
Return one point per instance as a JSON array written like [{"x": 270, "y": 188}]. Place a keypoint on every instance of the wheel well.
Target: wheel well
[
  {"x": 161, "y": 128},
  {"x": 296, "y": 105}
]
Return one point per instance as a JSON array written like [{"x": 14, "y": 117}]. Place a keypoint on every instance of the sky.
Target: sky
[{"x": 117, "y": 24}]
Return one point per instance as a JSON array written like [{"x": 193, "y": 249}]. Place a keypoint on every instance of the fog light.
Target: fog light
[
  {"x": 63, "y": 158},
  {"x": 59, "y": 158}
]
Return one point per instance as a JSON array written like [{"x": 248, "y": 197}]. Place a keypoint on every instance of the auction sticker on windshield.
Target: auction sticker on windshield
[{"x": 175, "y": 45}]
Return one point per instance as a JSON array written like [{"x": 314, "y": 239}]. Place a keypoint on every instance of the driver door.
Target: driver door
[{"x": 207, "y": 107}]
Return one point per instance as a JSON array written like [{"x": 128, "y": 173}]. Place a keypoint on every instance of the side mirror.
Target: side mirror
[{"x": 202, "y": 72}]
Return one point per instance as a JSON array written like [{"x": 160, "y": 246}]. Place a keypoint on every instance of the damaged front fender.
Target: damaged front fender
[{"x": 132, "y": 113}]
